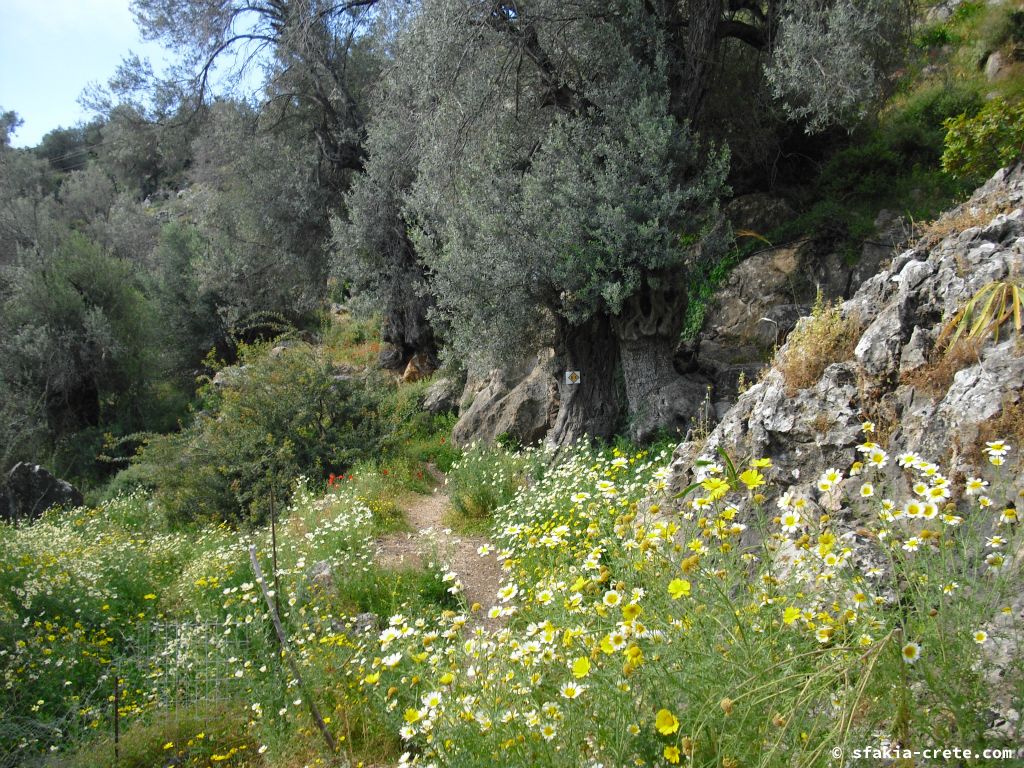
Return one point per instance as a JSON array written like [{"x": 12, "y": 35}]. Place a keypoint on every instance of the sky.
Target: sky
[{"x": 50, "y": 50}]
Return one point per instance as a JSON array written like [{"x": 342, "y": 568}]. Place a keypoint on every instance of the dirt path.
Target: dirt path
[{"x": 431, "y": 542}]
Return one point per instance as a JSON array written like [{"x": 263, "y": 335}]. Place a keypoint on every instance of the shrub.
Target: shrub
[
  {"x": 826, "y": 337},
  {"x": 274, "y": 418},
  {"x": 914, "y": 127},
  {"x": 976, "y": 147}
]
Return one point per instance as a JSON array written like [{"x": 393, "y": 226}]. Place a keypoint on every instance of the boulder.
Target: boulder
[
  {"x": 283, "y": 347},
  {"x": 442, "y": 396},
  {"x": 321, "y": 576},
  {"x": 230, "y": 376},
  {"x": 360, "y": 624},
  {"x": 30, "y": 490},
  {"x": 995, "y": 66},
  {"x": 366, "y": 623},
  {"x": 941, "y": 11},
  {"x": 520, "y": 401}
]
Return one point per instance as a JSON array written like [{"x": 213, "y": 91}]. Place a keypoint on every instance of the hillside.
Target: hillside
[
  {"x": 520, "y": 384},
  {"x": 823, "y": 585}
]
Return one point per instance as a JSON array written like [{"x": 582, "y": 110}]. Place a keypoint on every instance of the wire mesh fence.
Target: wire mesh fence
[
  {"x": 181, "y": 664},
  {"x": 162, "y": 669}
]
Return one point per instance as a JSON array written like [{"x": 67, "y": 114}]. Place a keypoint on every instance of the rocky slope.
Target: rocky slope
[{"x": 921, "y": 400}]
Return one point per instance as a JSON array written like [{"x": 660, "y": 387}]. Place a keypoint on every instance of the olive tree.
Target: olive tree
[{"x": 558, "y": 177}]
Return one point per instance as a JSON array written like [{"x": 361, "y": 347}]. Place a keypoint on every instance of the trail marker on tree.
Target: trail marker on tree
[{"x": 572, "y": 377}]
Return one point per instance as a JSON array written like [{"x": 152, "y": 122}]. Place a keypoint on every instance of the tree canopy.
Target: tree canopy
[{"x": 555, "y": 168}]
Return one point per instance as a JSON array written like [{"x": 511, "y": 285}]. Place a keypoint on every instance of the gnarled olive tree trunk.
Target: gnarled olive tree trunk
[
  {"x": 591, "y": 407},
  {"x": 646, "y": 332},
  {"x": 405, "y": 329}
]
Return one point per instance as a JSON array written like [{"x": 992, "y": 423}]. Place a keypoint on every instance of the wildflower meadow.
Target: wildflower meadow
[{"x": 738, "y": 622}]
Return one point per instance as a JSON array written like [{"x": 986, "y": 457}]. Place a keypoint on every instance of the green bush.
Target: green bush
[
  {"x": 274, "y": 417},
  {"x": 978, "y": 146},
  {"x": 915, "y": 127},
  {"x": 935, "y": 36}
]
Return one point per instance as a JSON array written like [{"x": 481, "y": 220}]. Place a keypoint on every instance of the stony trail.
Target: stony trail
[{"x": 431, "y": 541}]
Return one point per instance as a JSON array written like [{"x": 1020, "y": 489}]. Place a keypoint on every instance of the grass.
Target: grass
[
  {"x": 195, "y": 736},
  {"x": 484, "y": 479},
  {"x": 935, "y": 377},
  {"x": 129, "y": 570},
  {"x": 352, "y": 341},
  {"x": 826, "y": 337}
]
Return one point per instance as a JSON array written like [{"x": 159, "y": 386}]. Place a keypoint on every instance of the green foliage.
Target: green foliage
[
  {"x": 69, "y": 149},
  {"x": 78, "y": 332},
  {"x": 977, "y": 146},
  {"x": 484, "y": 479},
  {"x": 861, "y": 41},
  {"x": 275, "y": 417},
  {"x": 593, "y": 204},
  {"x": 935, "y": 36}
]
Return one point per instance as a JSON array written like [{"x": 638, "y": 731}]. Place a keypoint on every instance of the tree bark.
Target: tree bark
[
  {"x": 658, "y": 397},
  {"x": 701, "y": 44},
  {"x": 590, "y": 408},
  {"x": 405, "y": 329}
]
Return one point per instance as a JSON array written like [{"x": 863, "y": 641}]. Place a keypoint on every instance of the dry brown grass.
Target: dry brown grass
[
  {"x": 934, "y": 378},
  {"x": 822, "y": 422},
  {"x": 1008, "y": 426},
  {"x": 976, "y": 214},
  {"x": 827, "y": 337}
]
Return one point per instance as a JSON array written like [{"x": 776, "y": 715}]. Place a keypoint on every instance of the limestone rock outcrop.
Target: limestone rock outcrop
[
  {"x": 895, "y": 376},
  {"x": 765, "y": 296},
  {"x": 520, "y": 402}
]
